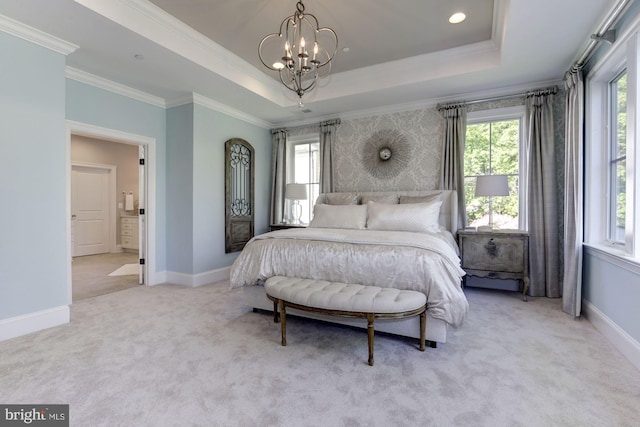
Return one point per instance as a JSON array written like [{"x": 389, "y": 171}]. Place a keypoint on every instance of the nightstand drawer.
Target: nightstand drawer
[{"x": 496, "y": 253}]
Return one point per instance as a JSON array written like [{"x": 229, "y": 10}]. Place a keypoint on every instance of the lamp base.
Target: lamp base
[{"x": 296, "y": 212}]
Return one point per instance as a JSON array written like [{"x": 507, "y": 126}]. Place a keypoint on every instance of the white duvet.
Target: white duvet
[{"x": 425, "y": 262}]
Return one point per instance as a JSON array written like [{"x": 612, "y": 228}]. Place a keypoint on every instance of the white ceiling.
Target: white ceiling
[{"x": 401, "y": 52}]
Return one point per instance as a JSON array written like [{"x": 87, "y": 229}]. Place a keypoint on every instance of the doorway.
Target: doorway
[{"x": 95, "y": 232}]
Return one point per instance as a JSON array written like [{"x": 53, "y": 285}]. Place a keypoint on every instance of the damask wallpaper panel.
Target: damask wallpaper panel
[{"x": 423, "y": 132}]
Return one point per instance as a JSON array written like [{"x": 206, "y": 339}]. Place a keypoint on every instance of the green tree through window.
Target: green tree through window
[{"x": 618, "y": 158}]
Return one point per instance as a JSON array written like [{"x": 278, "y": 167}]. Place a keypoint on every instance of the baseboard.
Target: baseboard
[
  {"x": 195, "y": 280},
  {"x": 33, "y": 322},
  {"x": 620, "y": 339}
]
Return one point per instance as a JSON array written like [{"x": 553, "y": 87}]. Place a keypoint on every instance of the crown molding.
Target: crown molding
[
  {"x": 195, "y": 98},
  {"x": 33, "y": 35},
  {"x": 424, "y": 104},
  {"x": 111, "y": 86}
]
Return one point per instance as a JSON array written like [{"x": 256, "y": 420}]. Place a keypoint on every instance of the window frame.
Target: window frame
[
  {"x": 292, "y": 142},
  {"x": 503, "y": 114},
  {"x": 624, "y": 54}
]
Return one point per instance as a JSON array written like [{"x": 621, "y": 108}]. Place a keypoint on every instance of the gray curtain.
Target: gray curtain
[
  {"x": 452, "y": 171},
  {"x": 573, "y": 208},
  {"x": 278, "y": 173},
  {"x": 542, "y": 196},
  {"x": 327, "y": 136}
]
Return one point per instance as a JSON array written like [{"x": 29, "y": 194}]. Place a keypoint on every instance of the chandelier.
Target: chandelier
[{"x": 301, "y": 52}]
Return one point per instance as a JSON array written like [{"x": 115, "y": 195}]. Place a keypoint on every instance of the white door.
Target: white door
[{"x": 90, "y": 210}]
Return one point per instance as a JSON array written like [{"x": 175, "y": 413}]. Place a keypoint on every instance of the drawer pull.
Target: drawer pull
[{"x": 492, "y": 248}]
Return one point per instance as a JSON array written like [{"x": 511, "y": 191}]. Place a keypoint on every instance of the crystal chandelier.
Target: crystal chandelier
[{"x": 301, "y": 52}]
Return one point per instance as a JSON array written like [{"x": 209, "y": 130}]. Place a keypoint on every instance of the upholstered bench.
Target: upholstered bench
[{"x": 347, "y": 300}]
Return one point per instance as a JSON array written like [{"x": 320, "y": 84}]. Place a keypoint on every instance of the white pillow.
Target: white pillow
[
  {"x": 420, "y": 217},
  {"x": 387, "y": 198},
  {"x": 341, "y": 198},
  {"x": 339, "y": 216}
]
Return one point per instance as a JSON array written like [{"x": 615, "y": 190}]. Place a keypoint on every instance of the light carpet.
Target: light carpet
[
  {"x": 126, "y": 270},
  {"x": 177, "y": 356}
]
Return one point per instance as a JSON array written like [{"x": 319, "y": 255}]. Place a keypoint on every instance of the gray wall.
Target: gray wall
[
  {"x": 196, "y": 185},
  {"x": 33, "y": 260}
]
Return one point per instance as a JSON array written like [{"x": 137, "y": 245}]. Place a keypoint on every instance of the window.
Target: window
[
  {"x": 612, "y": 219},
  {"x": 303, "y": 167},
  {"x": 617, "y": 199},
  {"x": 492, "y": 147}
]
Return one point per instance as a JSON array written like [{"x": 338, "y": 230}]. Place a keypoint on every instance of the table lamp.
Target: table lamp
[{"x": 296, "y": 192}]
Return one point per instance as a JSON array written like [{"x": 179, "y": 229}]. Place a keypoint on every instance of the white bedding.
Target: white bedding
[{"x": 425, "y": 262}]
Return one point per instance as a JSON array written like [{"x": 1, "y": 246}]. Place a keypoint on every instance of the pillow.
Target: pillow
[
  {"x": 341, "y": 198},
  {"x": 420, "y": 199},
  {"x": 339, "y": 216},
  {"x": 388, "y": 198},
  {"x": 420, "y": 217}
]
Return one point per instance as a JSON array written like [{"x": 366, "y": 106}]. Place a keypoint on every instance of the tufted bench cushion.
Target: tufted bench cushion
[
  {"x": 345, "y": 299},
  {"x": 343, "y": 296}
]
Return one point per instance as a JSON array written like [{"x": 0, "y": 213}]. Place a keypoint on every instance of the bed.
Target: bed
[{"x": 401, "y": 239}]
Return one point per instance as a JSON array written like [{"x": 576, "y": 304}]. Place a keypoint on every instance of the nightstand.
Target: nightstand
[
  {"x": 274, "y": 227},
  {"x": 496, "y": 254}
]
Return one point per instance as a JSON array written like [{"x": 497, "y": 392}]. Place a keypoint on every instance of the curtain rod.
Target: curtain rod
[
  {"x": 552, "y": 89},
  {"x": 607, "y": 23}
]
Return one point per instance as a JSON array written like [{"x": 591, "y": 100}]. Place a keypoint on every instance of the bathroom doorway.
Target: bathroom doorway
[{"x": 105, "y": 161}]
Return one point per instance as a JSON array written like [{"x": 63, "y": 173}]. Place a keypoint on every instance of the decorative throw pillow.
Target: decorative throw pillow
[
  {"x": 341, "y": 198},
  {"x": 339, "y": 216},
  {"x": 420, "y": 217},
  {"x": 391, "y": 199},
  {"x": 421, "y": 199}
]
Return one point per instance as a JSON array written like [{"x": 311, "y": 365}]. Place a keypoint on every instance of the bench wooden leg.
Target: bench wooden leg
[
  {"x": 275, "y": 311},
  {"x": 423, "y": 326},
  {"x": 370, "y": 319},
  {"x": 283, "y": 322}
]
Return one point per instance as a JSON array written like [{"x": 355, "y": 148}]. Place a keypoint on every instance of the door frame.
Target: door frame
[
  {"x": 113, "y": 190},
  {"x": 101, "y": 133}
]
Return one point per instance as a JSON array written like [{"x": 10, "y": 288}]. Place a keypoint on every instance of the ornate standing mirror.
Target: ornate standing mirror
[{"x": 239, "y": 188}]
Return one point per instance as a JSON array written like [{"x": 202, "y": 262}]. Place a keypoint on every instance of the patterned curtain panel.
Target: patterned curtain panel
[
  {"x": 327, "y": 136},
  {"x": 541, "y": 196},
  {"x": 279, "y": 173},
  {"x": 573, "y": 192},
  {"x": 452, "y": 172}
]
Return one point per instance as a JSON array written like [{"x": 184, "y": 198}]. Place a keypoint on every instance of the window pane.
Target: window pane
[
  {"x": 620, "y": 201},
  {"x": 505, "y": 136},
  {"x": 315, "y": 163},
  {"x": 492, "y": 148},
  {"x": 305, "y": 169},
  {"x": 617, "y": 162},
  {"x": 476, "y": 150}
]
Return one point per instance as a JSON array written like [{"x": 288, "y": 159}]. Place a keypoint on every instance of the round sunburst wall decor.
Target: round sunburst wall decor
[{"x": 386, "y": 153}]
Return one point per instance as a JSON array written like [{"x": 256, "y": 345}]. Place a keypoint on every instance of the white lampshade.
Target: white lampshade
[
  {"x": 296, "y": 192},
  {"x": 492, "y": 185}
]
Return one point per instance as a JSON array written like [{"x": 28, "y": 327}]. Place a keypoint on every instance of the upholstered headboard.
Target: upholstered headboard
[{"x": 448, "y": 210}]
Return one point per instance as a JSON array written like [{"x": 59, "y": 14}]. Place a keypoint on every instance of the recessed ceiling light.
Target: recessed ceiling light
[
  {"x": 457, "y": 18},
  {"x": 278, "y": 65},
  {"x": 346, "y": 49}
]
